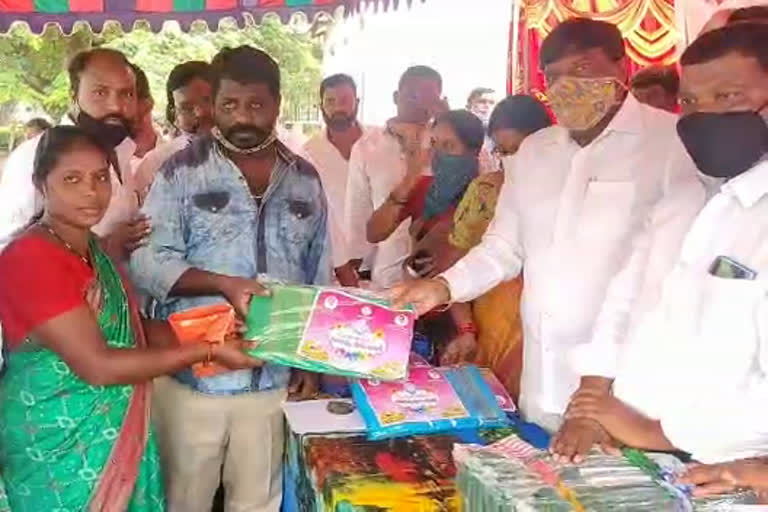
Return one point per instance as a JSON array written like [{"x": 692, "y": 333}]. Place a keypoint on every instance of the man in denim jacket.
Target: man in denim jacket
[{"x": 229, "y": 208}]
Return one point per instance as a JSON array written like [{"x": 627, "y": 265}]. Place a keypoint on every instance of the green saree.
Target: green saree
[{"x": 68, "y": 446}]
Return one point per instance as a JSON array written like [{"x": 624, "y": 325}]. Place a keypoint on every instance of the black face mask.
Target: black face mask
[
  {"x": 111, "y": 135},
  {"x": 724, "y": 145}
]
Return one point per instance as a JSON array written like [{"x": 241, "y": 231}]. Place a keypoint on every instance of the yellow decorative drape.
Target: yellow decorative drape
[{"x": 648, "y": 26}]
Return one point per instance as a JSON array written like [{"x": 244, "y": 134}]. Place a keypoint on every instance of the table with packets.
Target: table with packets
[{"x": 331, "y": 465}]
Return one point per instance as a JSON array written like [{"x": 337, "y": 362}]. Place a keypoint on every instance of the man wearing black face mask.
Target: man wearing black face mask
[
  {"x": 690, "y": 308},
  {"x": 329, "y": 151},
  {"x": 104, "y": 102},
  {"x": 230, "y": 208}
]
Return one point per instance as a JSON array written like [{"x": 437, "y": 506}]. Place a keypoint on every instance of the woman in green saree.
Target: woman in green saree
[{"x": 74, "y": 394}]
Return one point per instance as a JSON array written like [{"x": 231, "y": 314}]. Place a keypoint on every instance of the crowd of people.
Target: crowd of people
[{"x": 606, "y": 259}]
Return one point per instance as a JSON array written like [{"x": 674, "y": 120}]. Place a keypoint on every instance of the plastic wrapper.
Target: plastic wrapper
[
  {"x": 351, "y": 333},
  {"x": 503, "y": 398},
  {"x": 204, "y": 324},
  {"x": 512, "y": 475},
  {"x": 431, "y": 400}
]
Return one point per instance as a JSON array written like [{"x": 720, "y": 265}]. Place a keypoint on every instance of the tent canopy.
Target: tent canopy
[{"x": 65, "y": 13}]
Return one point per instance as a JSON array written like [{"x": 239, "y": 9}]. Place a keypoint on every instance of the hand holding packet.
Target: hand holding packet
[
  {"x": 346, "y": 332},
  {"x": 205, "y": 324}
]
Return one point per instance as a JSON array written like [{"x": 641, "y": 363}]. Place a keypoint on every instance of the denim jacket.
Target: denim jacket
[{"x": 204, "y": 216}]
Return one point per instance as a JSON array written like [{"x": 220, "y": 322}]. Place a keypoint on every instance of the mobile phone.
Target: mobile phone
[{"x": 728, "y": 268}]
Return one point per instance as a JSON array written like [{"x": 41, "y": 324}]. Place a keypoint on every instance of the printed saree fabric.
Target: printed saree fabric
[
  {"x": 66, "y": 445},
  {"x": 496, "y": 313}
]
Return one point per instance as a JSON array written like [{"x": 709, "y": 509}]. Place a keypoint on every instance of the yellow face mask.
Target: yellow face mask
[{"x": 581, "y": 103}]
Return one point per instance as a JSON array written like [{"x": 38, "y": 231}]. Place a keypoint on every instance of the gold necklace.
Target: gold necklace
[{"x": 63, "y": 242}]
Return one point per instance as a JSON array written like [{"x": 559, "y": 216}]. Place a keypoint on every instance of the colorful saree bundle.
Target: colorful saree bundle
[{"x": 66, "y": 445}]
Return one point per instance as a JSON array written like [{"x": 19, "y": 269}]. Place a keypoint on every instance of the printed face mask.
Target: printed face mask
[{"x": 581, "y": 103}]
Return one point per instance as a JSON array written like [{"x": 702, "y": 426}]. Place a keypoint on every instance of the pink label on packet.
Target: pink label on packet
[
  {"x": 358, "y": 335},
  {"x": 426, "y": 396}
]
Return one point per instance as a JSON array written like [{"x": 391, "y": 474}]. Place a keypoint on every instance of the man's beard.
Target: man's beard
[
  {"x": 110, "y": 130},
  {"x": 339, "y": 121}
]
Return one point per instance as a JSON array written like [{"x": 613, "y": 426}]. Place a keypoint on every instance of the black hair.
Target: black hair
[
  {"x": 468, "y": 127},
  {"x": 54, "y": 142},
  {"x": 580, "y": 34},
  {"x": 245, "y": 65},
  {"x": 39, "y": 123},
  {"x": 477, "y": 92},
  {"x": 747, "y": 39},
  {"x": 752, "y": 14},
  {"x": 424, "y": 72},
  {"x": 521, "y": 112},
  {"x": 181, "y": 76},
  {"x": 335, "y": 81},
  {"x": 665, "y": 76},
  {"x": 79, "y": 63}
]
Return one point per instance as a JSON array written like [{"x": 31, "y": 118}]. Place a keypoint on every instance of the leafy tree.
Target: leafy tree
[{"x": 33, "y": 67}]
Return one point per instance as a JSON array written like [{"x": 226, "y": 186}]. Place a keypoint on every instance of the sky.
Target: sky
[{"x": 465, "y": 40}]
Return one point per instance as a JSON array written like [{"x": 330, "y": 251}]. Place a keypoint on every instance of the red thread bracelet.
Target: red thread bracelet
[{"x": 468, "y": 328}]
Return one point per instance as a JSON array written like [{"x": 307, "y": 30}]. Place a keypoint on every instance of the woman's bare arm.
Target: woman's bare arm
[{"x": 76, "y": 337}]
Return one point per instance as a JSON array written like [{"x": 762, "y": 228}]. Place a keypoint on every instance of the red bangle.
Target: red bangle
[{"x": 468, "y": 328}]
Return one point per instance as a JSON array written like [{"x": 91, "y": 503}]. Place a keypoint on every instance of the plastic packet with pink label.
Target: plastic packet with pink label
[
  {"x": 347, "y": 332},
  {"x": 431, "y": 400}
]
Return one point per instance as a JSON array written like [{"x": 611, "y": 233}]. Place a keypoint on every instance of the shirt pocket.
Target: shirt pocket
[
  {"x": 727, "y": 323},
  {"x": 214, "y": 216},
  {"x": 606, "y": 209},
  {"x": 296, "y": 220}
]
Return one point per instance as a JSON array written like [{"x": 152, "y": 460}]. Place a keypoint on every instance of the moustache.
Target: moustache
[
  {"x": 246, "y": 129},
  {"x": 115, "y": 119},
  {"x": 340, "y": 120}
]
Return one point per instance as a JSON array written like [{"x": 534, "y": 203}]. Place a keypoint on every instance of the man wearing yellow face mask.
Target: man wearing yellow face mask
[{"x": 574, "y": 198}]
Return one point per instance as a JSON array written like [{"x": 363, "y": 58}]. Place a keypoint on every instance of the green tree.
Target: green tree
[{"x": 33, "y": 67}]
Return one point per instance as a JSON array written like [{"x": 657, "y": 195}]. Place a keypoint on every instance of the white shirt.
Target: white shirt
[
  {"x": 376, "y": 167},
  {"x": 570, "y": 213},
  {"x": 21, "y": 201},
  {"x": 697, "y": 360},
  {"x": 334, "y": 173},
  {"x": 153, "y": 160},
  {"x": 637, "y": 286}
]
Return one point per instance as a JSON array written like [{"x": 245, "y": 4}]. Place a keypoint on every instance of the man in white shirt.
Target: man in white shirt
[
  {"x": 481, "y": 102},
  {"x": 104, "y": 102},
  {"x": 574, "y": 197},
  {"x": 189, "y": 110},
  {"x": 329, "y": 151},
  {"x": 689, "y": 358},
  {"x": 377, "y": 165}
]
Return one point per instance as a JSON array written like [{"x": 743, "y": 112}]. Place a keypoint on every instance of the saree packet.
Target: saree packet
[
  {"x": 513, "y": 475},
  {"x": 209, "y": 324},
  {"x": 503, "y": 397},
  {"x": 345, "y": 332},
  {"x": 430, "y": 400}
]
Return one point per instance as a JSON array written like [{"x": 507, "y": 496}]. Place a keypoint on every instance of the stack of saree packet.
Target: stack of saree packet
[
  {"x": 344, "y": 332},
  {"x": 511, "y": 475}
]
